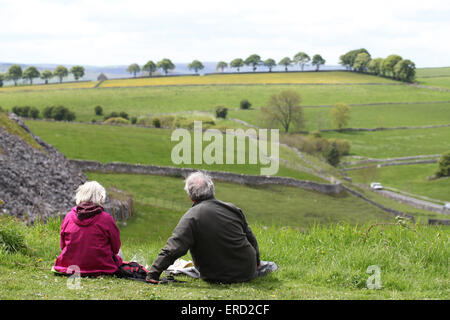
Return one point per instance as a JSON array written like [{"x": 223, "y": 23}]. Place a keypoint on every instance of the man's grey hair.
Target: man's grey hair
[{"x": 199, "y": 186}]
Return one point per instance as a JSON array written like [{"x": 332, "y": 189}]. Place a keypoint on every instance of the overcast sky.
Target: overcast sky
[{"x": 110, "y": 32}]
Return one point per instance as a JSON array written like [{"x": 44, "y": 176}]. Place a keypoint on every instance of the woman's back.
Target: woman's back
[{"x": 90, "y": 241}]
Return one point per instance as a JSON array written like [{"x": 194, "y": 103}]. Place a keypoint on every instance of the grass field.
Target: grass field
[
  {"x": 432, "y": 72},
  {"x": 412, "y": 179},
  {"x": 136, "y": 145},
  {"x": 322, "y": 262},
  {"x": 319, "y": 118},
  {"x": 396, "y": 143},
  {"x": 150, "y": 100},
  {"x": 266, "y": 78},
  {"x": 50, "y": 86},
  {"x": 440, "y": 82}
]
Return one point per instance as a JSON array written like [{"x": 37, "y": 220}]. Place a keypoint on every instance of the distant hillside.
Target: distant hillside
[{"x": 119, "y": 71}]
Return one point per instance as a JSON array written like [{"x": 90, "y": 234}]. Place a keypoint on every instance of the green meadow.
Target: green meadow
[
  {"x": 131, "y": 144},
  {"x": 315, "y": 261},
  {"x": 396, "y": 143},
  {"x": 373, "y": 116},
  {"x": 412, "y": 179},
  {"x": 142, "y": 101}
]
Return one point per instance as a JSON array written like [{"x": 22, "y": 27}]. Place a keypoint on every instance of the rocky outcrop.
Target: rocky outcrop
[{"x": 37, "y": 182}]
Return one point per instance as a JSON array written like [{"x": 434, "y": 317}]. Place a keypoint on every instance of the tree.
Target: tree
[
  {"x": 286, "y": 62},
  {"x": 237, "y": 63},
  {"x": 77, "y": 71},
  {"x": 254, "y": 60},
  {"x": 389, "y": 64},
  {"x": 318, "y": 61},
  {"x": 332, "y": 154},
  {"x": 2, "y": 78},
  {"x": 150, "y": 67},
  {"x": 301, "y": 59},
  {"x": 221, "y": 65},
  {"x": 61, "y": 72},
  {"x": 98, "y": 110},
  {"x": 166, "y": 65},
  {"x": 443, "y": 165},
  {"x": 30, "y": 73},
  {"x": 133, "y": 69},
  {"x": 405, "y": 70},
  {"x": 46, "y": 75},
  {"x": 340, "y": 114},
  {"x": 196, "y": 65},
  {"x": 362, "y": 61},
  {"x": 270, "y": 63},
  {"x": 375, "y": 66},
  {"x": 284, "y": 109},
  {"x": 14, "y": 73},
  {"x": 348, "y": 59}
]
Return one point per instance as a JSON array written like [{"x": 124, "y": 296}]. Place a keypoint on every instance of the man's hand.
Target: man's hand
[
  {"x": 152, "y": 281},
  {"x": 148, "y": 279}
]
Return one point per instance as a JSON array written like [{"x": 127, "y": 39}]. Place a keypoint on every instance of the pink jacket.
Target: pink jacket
[{"x": 91, "y": 244}]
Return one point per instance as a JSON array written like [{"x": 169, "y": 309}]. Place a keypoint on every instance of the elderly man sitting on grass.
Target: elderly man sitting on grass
[{"x": 222, "y": 245}]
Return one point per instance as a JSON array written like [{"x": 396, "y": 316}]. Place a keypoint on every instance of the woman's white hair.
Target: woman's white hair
[
  {"x": 91, "y": 191},
  {"x": 199, "y": 186}
]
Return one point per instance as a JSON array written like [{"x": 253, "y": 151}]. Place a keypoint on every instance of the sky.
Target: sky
[{"x": 111, "y": 32}]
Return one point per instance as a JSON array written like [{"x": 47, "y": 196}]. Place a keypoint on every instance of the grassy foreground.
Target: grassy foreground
[{"x": 323, "y": 263}]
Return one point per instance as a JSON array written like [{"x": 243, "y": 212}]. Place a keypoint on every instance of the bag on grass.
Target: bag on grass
[{"x": 132, "y": 270}]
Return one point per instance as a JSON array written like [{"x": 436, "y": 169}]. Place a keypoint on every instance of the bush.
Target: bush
[
  {"x": 221, "y": 112},
  {"x": 133, "y": 120},
  {"x": 123, "y": 115},
  {"x": 342, "y": 145},
  {"x": 332, "y": 154},
  {"x": 22, "y": 111},
  {"x": 444, "y": 165},
  {"x": 111, "y": 115},
  {"x": 156, "y": 123},
  {"x": 117, "y": 120},
  {"x": 245, "y": 104},
  {"x": 98, "y": 110},
  {"x": 12, "y": 238},
  {"x": 93, "y": 120},
  {"x": 34, "y": 113},
  {"x": 59, "y": 113}
]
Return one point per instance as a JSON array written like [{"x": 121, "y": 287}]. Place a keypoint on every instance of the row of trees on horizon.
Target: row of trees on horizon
[
  {"x": 254, "y": 61},
  {"x": 15, "y": 73},
  {"x": 360, "y": 60},
  {"x": 393, "y": 66}
]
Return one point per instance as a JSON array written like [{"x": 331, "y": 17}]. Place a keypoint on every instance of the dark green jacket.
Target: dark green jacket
[{"x": 222, "y": 245}]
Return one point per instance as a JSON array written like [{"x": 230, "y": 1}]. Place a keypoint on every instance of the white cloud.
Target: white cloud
[{"x": 120, "y": 32}]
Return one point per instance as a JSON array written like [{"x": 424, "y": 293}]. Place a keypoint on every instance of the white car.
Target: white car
[{"x": 376, "y": 186}]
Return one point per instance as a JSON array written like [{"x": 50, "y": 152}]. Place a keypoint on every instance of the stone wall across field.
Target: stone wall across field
[{"x": 117, "y": 167}]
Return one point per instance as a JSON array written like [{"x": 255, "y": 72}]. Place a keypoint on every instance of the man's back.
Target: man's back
[
  {"x": 222, "y": 250},
  {"x": 222, "y": 244}
]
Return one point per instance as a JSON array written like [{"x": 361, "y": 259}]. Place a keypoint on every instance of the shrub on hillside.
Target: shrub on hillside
[
  {"x": 245, "y": 104},
  {"x": 117, "y": 120},
  {"x": 58, "y": 113},
  {"x": 133, "y": 120},
  {"x": 444, "y": 165},
  {"x": 221, "y": 112},
  {"x": 343, "y": 146},
  {"x": 114, "y": 114},
  {"x": 188, "y": 123},
  {"x": 26, "y": 112},
  {"x": 332, "y": 154},
  {"x": 156, "y": 123},
  {"x": 98, "y": 110}
]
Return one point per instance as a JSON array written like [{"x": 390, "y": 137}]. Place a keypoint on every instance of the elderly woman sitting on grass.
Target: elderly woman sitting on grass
[{"x": 90, "y": 239}]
